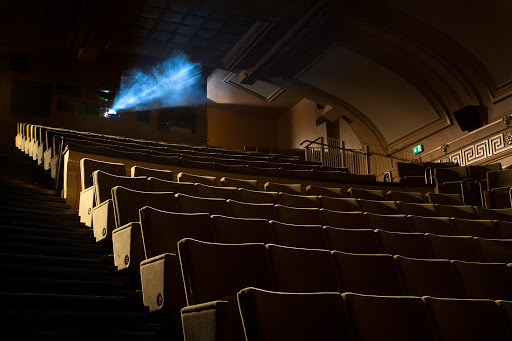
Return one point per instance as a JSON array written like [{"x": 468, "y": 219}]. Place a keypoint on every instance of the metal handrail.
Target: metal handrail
[
  {"x": 336, "y": 147},
  {"x": 310, "y": 142}
]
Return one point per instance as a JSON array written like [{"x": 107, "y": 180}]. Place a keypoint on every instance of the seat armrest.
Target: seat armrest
[
  {"x": 162, "y": 285},
  {"x": 103, "y": 220},
  {"x": 85, "y": 205},
  {"x": 127, "y": 248}
]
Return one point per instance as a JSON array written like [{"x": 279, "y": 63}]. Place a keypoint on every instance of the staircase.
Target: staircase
[{"x": 56, "y": 280}]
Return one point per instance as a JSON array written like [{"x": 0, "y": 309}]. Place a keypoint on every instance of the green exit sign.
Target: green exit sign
[{"x": 417, "y": 149}]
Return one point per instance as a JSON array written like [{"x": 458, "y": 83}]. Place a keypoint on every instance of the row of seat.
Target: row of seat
[
  {"x": 166, "y": 262},
  {"x": 203, "y": 186},
  {"x": 329, "y": 316},
  {"x": 291, "y": 188},
  {"x": 288, "y": 208},
  {"x": 418, "y": 173},
  {"x": 299, "y": 189},
  {"x": 160, "y": 231},
  {"x": 498, "y": 192},
  {"x": 350, "y": 232},
  {"x": 199, "y": 157},
  {"x": 30, "y": 137},
  {"x": 216, "y": 271},
  {"x": 469, "y": 181}
]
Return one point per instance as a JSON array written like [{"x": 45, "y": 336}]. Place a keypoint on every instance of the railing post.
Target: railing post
[
  {"x": 343, "y": 155},
  {"x": 367, "y": 151},
  {"x": 322, "y": 151}
]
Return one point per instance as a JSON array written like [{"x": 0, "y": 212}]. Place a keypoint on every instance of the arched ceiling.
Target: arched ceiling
[{"x": 397, "y": 68}]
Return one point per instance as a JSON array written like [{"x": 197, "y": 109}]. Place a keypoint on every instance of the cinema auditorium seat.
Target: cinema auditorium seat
[
  {"x": 276, "y": 316},
  {"x": 213, "y": 274},
  {"x": 390, "y": 318},
  {"x": 352, "y": 240},
  {"x": 127, "y": 246},
  {"x": 408, "y": 197},
  {"x": 325, "y": 191},
  {"x": 233, "y": 230},
  {"x": 191, "y": 204},
  {"x": 467, "y": 319},
  {"x": 301, "y": 236},
  {"x": 368, "y": 194},
  {"x": 259, "y": 197},
  {"x": 432, "y": 225},
  {"x": 282, "y": 187},
  {"x": 202, "y": 179},
  {"x": 162, "y": 174},
  {"x": 417, "y": 209},
  {"x": 302, "y": 201},
  {"x": 429, "y": 277},
  {"x": 207, "y": 191},
  {"x": 239, "y": 183},
  {"x": 159, "y": 185},
  {"x": 87, "y": 167},
  {"x": 303, "y": 270},
  {"x": 414, "y": 245},
  {"x": 160, "y": 273},
  {"x": 103, "y": 222}
]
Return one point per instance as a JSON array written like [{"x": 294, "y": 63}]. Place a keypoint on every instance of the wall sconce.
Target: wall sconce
[{"x": 507, "y": 120}]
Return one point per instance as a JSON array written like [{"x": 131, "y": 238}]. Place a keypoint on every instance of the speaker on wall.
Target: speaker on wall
[{"x": 471, "y": 117}]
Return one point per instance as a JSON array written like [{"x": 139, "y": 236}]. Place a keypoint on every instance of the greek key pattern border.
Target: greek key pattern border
[{"x": 481, "y": 149}]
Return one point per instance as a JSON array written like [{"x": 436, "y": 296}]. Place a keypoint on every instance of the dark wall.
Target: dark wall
[{"x": 43, "y": 88}]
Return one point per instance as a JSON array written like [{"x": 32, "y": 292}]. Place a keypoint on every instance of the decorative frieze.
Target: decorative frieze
[{"x": 482, "y": 149}]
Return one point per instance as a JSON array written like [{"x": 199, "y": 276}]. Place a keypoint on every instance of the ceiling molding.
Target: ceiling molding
[
  {"x": 255, "y": 34},
  {"x": 462, "y": 63},
  {"x": 231, "y": 78},
  {"x": 301, "y": 44}
]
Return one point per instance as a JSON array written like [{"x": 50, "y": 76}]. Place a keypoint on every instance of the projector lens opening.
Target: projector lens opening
[{"x": 107, "y": 112}]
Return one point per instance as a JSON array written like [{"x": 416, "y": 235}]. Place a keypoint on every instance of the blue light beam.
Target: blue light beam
[{"x": 175, "y": 82}]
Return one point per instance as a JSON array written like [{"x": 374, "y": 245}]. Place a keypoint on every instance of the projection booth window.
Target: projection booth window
[{"x": 177, "y": 119}]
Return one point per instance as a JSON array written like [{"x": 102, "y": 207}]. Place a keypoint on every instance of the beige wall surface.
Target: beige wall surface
[
  {"x": 231, "y": 126},
  {"x": 299, "y": 124}
]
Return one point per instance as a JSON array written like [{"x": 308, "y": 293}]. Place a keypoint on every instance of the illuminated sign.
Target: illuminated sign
[{"x": 417, "y": 149}]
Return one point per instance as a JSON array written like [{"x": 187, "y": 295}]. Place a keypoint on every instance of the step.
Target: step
[
  {"x": 28, "y": 179},
  {"x": 43, "y": 243},
  {"x": 41, "y": 212},
  {"x": 31, "y": 189},
  {"x": 22, "y": 249},
  {"x": 84, "y": 230},
  {"x": 86, "y": 330},
  {"x": 43, "y": 202},
  {"x": 66, "y": 286},
  {"x": 61, "y": 235},
  {"x": 53, "y": 271},
  {"x": 10, "y": 216},
  {"x": 67, "y": 319},
  {"x": 62, "y": 262},
  {"x": 58, "y": 302},
  {"x": 16, "y": 193},
  {"x": 36, "y": 206},
  {"x": 57, "y": 333}
]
